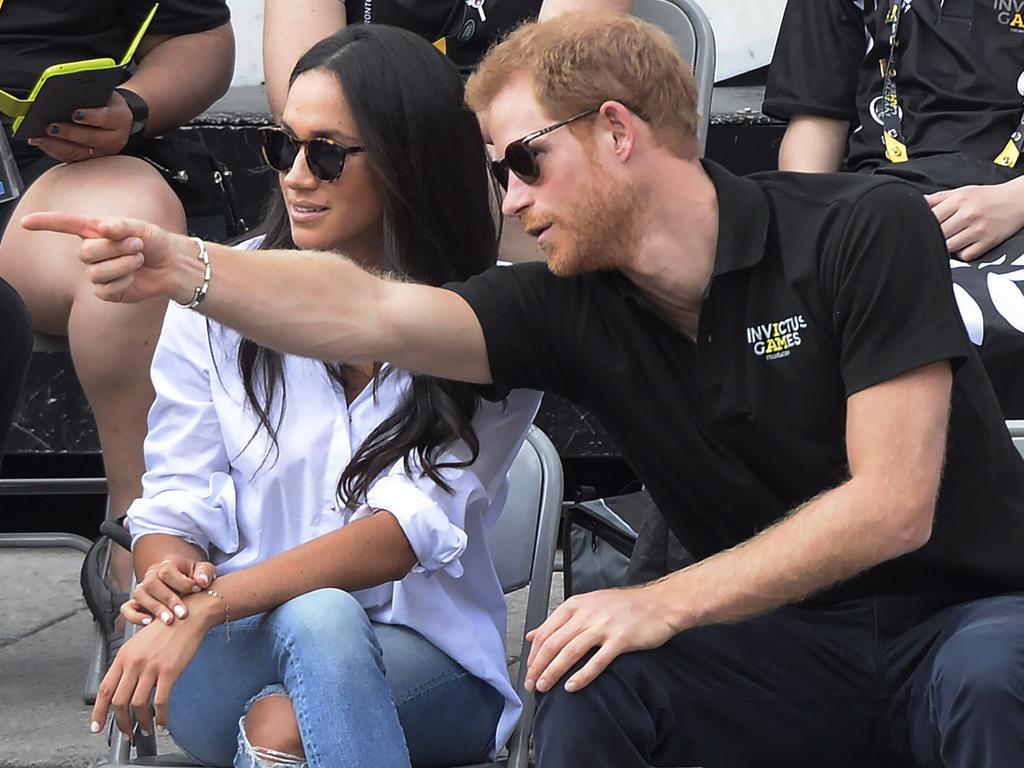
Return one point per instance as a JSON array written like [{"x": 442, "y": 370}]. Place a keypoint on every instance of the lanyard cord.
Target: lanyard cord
[{"x": 893, "y": 140}]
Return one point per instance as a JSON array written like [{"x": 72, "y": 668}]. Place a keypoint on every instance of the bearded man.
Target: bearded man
[{"x": 780, "y": 359}]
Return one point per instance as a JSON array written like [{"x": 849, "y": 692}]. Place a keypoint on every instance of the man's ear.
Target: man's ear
[{"x": 621, "y": 125}]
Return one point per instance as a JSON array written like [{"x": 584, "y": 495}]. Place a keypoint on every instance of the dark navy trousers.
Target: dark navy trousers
[{"x": 923, "y": 681}]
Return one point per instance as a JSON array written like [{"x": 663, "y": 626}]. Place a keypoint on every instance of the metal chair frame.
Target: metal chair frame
[{"x": 689, "y": 28}]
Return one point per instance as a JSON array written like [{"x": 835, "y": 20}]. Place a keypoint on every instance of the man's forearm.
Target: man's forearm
[
  {"x": 322, "y": 305},
  {"x": 305, "y": 303},
  {"x": 830, "y": 539},
  {"x": 182, "y": 75}
]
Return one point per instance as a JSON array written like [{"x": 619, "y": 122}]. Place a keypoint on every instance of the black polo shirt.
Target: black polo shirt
[
  {"x": 957, "y": 70},
  {"x": 823, "y": 285}
]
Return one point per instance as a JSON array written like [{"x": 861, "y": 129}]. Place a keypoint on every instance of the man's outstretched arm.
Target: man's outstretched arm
[{"x": 305, "y": 303}]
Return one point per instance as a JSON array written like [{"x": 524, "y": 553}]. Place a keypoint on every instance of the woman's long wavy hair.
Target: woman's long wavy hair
[{"x": 426, "y": 151}]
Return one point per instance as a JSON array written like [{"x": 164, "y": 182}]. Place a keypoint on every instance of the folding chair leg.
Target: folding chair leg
[
  {"x": 120, "y": 746},
  {"x": 97, "y": 664}
]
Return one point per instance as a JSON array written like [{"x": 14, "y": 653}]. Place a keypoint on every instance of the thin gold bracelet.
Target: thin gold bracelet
[
  {"x": 200, "y": 293},
  {"x": 227, "y": 613}
]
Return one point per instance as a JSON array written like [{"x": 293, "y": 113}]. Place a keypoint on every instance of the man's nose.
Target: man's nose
[{"x": 518, "y": 196}]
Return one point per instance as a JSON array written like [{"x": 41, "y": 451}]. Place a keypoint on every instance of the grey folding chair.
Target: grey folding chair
[
  {"x": 686, "y": 24},
  {"x": 523, "y": 546},
  {"x": 59, "y": 486}
]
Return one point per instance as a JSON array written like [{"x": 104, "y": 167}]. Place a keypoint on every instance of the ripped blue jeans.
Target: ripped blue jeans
[{"x": 364, "y": 694}]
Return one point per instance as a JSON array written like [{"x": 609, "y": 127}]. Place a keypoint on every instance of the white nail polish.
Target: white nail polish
[
  {"x": 147, "y": 621},
  {"x": 144, "y": 732},
  {"x": 196, "y": 588},
  {"x": 95, "y": 727},
  {"x": 165, "y": 616},
  {"x": 179, "y": 611}
]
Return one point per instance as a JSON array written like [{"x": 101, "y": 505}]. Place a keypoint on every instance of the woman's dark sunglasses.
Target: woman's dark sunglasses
[
  {"x": 325, "y": 158},
  {"x": 521, "y": 160}
]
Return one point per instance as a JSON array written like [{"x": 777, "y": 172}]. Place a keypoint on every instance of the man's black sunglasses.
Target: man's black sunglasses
[
  {"x": 521, "y": 159},
  {"x": 324, "y": 157}
]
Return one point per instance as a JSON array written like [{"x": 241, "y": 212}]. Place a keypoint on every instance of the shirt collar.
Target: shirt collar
[{"x": 742, "y": 220}]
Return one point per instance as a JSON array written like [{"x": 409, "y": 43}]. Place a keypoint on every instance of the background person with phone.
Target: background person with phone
[{"x": 183, "y": 64}]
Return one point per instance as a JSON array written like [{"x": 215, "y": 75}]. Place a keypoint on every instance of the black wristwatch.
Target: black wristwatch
[{"x": 140, "y": 116}]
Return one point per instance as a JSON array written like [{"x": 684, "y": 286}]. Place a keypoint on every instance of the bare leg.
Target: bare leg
[
  {"x": 111, "y": 344},
  {"x": 273, "y": 732}
]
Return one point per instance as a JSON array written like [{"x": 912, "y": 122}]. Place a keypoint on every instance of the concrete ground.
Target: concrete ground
[{"x": 45, "y": 643}]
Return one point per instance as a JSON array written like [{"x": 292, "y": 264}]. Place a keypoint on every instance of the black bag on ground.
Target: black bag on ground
[{"x": 600, "y": 548}]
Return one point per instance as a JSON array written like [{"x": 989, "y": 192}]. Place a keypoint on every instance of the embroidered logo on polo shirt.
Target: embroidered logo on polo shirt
[
  {"x": 1010, "y": 13},
  {"x": 775, "y": 340}
]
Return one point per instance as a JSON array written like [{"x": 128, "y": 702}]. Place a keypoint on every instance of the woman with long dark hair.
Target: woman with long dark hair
[{"x": 355, "y": 617}]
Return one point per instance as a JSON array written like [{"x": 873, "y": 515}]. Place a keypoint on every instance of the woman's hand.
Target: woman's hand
[
  {"x": 161, "y": 590},
  {"x": 977, "y": 218},
  {"x": 149, "y": 662},
  {"x": 127, "y": 260},
  {"x": 93, "y": 133}
]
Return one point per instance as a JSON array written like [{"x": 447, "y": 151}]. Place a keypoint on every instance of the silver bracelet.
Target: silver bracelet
[{"x": 200, "y": 294}]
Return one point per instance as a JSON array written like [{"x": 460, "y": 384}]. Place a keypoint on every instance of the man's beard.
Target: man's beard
[{"x": 600, "y": 230}]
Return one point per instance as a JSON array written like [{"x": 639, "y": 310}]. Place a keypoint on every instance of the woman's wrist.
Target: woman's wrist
[{"x": 207, "y": 609}]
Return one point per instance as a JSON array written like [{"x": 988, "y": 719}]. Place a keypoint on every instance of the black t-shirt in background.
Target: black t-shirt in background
[
  {"x": 824, "y": 285},
  {"x": 460, "y": 24},
  {"x": 958, "y": 63},
  {"x": 35, "y": 34}
]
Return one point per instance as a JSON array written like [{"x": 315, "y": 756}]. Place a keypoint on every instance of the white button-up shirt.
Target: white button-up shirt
[{"x": 214, "y": 478}]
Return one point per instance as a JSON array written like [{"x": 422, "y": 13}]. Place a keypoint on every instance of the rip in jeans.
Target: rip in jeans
[{"x": 250, "y": 756}]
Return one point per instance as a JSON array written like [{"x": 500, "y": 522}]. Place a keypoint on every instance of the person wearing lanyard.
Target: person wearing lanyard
[{"x": 935, "y": 97}]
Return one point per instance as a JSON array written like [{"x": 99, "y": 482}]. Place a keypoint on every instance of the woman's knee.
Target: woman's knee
[
  {"x": 269, "y": 731},
  {"x": 324, "y": 615},
  {"x": 114, "y": 186}
]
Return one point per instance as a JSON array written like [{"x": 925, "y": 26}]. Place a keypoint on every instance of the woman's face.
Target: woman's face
[{"x": 344, "y": 214}]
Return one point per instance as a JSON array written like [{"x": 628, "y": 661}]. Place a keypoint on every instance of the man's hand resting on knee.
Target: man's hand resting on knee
[{"x": 614, "y": 621}]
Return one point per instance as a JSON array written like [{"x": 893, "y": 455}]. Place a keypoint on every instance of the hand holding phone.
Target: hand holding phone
[{"x": 95, "y": 132}]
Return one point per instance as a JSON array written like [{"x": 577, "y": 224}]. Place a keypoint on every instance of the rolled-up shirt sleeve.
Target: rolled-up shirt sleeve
[
  {"x": 434, "y": 520},
  {"x": 188, "y": 490}
]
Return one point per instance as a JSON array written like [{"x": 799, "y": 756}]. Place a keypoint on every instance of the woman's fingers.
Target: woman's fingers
[
  {"x": 141, "y": 702},
  {"x": 203, "y": 574},
  {"x": 159, "y": 599},
  {"x": 134, "y": 613},
  {"x": 121, "y": 700}
]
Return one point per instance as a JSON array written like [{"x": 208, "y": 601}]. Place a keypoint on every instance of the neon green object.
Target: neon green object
[{"x": 17, "y": 108}]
